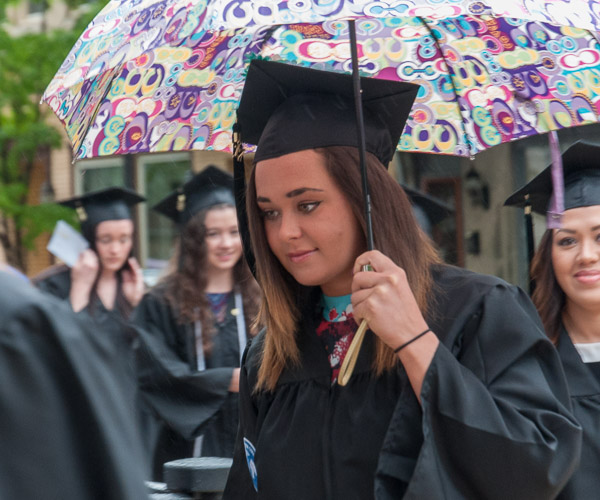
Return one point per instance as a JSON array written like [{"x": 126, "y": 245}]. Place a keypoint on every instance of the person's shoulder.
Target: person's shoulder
[
  {"x": 254, "y": 348},
  {"x": 452, "y": 278},
  {"x": 22, "y": 302},
  {"x": 57, "y": 276}
]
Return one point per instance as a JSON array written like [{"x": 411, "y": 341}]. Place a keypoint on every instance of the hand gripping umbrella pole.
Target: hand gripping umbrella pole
[{"x": 352, "y": 355}]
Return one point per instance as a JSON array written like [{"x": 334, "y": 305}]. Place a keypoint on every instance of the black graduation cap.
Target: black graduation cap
[
  {"x": 208, "y": 188},
  {"x": 112, "y": 203},
  {"x": 581, "y": 173},
  {"x": 428, "y": 209},
  {"x": 286, "y": 108}
]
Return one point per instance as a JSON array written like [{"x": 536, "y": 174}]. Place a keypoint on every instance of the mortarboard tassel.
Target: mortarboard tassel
[
  {"x": 239, "y": 191},
  {"x": 557, "y": 203}
]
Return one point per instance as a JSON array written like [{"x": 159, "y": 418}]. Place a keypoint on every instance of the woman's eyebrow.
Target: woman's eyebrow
[
  {"x": 291, "y": 194},
  {"x": 302, "y": 190}
]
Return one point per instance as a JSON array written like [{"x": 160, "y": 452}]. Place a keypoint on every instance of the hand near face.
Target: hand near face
[
  {"x": 384, "y": 298},
  {"x": 132, "y": 282},
  {"x": 83, "y": 276}
]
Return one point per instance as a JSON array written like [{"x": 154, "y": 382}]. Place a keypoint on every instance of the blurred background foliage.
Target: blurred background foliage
[{"x": 27, "y": 64}]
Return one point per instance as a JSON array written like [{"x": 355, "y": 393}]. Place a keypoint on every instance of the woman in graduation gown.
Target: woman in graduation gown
[
  {"x": 106, "y": 281},
  {"x": 200, "y": 313},
  {"x": 457, "y": 393},
  {"x": 566, "y": 273}
]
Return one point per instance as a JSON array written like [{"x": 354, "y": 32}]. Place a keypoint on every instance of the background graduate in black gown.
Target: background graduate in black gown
[
  {"x": 65, "y": 427},
  {"x": 106, "y": 280},
  {"x": 201, "y": 314},
  {"x": 457, "y": 393},
  {"x": 566, "y": 272}
]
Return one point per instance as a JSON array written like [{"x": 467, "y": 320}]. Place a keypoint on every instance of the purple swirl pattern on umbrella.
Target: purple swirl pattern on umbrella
[
  {"x": 150, "y": 76},
  {"x": 583, "y": 14}
]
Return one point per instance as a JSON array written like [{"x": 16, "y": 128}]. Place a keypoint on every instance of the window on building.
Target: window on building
[
  {"x": 158, "y": 175},
  {"x": 91, "y": 175},
  {"x": 37, "y": 6}
]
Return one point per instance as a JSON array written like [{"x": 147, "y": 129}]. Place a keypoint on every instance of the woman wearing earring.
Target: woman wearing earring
[
  {"x": 201, "y": 312},
  {"x": 456, "y": 391},
  {"x": 566, "y": 273}
]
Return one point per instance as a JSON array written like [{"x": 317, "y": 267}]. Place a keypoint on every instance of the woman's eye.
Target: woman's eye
[
  {"x": 564, "y": 242},
  {"x": 269, "y": 214},
  {"x": 308, "y": 207}
]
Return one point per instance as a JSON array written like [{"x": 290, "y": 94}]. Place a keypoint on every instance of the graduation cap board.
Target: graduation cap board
[
  {"x": 581, "y": 172},
  {"x": 92, "y": 208},
  {"x": 206, "y": 189},
  {"x": 286, "y": 109},
  {"x": 580, "y": 187}
]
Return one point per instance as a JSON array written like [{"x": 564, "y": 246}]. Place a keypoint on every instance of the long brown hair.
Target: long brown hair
[
  {"x": 397, "y": 235},
  {"x": 548, "y": 297},
  {"x": 186, "y": 284}
]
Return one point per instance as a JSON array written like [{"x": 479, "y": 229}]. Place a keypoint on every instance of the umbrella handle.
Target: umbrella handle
[{"x": 352, "y": 355}]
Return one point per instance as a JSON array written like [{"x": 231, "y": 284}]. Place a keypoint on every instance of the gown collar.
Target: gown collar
[
  {"x": 580, "y": 378},
  {"x": 314, "y": 362}
]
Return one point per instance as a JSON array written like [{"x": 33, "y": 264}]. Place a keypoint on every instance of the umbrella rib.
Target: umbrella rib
[
  {"x": 97, "y": 107},
  {"x": 462, "y": 121}
]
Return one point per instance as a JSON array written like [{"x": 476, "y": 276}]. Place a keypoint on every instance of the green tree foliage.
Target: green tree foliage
[{"x": 27, "y": 64}]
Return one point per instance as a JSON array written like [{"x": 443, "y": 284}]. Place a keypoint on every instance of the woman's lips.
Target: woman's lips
[
  {"x": 587, "y": 276},
  {"x": 298, "y": 257}
]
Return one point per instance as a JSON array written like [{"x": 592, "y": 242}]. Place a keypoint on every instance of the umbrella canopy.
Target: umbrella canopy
[{"x": 152, "y": 76}]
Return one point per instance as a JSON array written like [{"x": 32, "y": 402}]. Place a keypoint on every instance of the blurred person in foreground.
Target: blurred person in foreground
[{"x": 65, "y": 427}]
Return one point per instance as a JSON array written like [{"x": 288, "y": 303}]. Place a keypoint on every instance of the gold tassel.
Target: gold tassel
[
  {"x": 81, "y": 213},
  {"x": 180, "y": 202}
]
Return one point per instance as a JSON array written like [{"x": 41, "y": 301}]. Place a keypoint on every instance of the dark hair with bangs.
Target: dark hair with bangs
[{"x": 396, "y": 234}]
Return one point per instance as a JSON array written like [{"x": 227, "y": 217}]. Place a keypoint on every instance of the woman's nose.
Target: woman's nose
[
  {"x": 289, "y": 227},
  {"x": 589, "y": 251}
]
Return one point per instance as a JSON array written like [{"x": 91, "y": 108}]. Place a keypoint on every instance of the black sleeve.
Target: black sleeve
[
  {"x": 55, "y": 281},
  {"x": 182, "y": 397},
  {"x": 497, "y": 422}
]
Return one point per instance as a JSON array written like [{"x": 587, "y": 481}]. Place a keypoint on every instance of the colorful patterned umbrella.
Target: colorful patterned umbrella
[{"x": 154, "y": 76}]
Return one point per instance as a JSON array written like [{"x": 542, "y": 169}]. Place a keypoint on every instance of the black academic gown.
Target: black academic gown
[
  {"x": 186, "y": 402},
  {"x": 585, "y": 397},
  {"x": 495, "y": 420},
  {"x": 109, "y": 322},
  {"x": 65, "y": 427}
]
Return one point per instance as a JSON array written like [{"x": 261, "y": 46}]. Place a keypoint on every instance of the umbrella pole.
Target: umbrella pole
[
  {"x": 360, "y": 125},
  {"x": 352, "y": 355}
]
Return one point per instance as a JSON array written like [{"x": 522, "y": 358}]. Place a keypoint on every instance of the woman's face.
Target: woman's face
[
  {"x": 223, "y": 243},
  {"x": 309, "y": 224},
  {"x": 114, "y": 240},
  {"x": 576, "y": 256}
]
